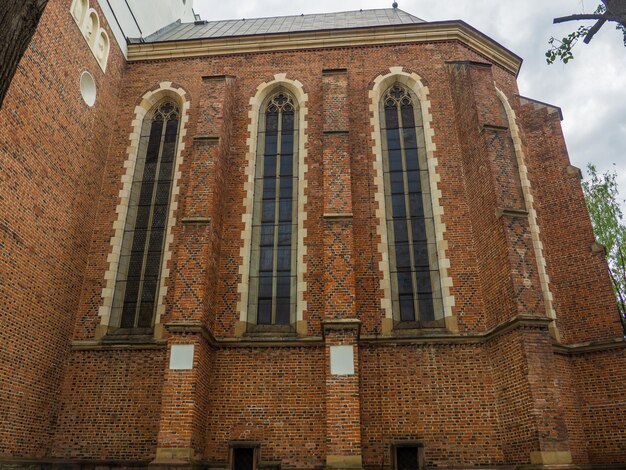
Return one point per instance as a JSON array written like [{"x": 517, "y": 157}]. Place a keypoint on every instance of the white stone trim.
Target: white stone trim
[
  {"x": 414, "y": 83},
  {"x": 263, "y": 91},
  {"x": 529, "y": 200},
  {"x": 148, "y": 102},
  {"x": 98, "y": 41}
]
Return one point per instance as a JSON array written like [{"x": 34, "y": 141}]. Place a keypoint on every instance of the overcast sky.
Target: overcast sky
[{"x": 591, "y": 90}]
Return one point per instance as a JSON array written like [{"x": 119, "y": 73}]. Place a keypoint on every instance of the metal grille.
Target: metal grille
[
  {"x": 406, "y": 458},
  {"x": 243, "y": 459}
]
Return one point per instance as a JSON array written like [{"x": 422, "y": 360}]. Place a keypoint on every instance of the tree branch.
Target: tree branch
[
  {"x": 564, "y": 19},
  {"x": 592, "y": 32}
]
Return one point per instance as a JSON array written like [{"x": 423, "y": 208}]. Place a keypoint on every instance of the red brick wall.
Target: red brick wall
[
  {"x": 272, "y": 395},
  {"x": 471, "y": 404},
  {"x": 441, "y": 395},
  {"x": 53, "y": 149},
  {"x": 110, "y": 406},
  {"x": 306, "y": 66},
  {"x": 585, "y": 305},
  {"x": 599, "y": 381}
]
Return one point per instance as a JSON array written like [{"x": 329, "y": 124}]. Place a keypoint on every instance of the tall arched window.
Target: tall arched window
[
  {"x": 136, "y": 290},
  {"x": 415, "y": 282},
  {"x": 272, "y": 294}
]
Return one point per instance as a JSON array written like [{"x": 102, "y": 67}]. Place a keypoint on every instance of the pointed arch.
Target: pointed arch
[
  {"x": 413, "y": 83},
  {"x": 256, "y": 114},
  {"x": 165, "y": 92},
  {"x": 544, "y": 278}
]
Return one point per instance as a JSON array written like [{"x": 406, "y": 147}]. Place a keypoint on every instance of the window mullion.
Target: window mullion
[
  {"x": 144, "y": 263},
  {"x": 407, "y": 203},
  {"x": 276, "y": 216}
]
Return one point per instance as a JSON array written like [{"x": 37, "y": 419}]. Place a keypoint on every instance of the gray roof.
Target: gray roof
[{"x": 282, "y": 24}]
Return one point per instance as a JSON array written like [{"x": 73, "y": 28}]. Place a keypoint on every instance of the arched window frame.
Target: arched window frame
[
  {"x": 256, "y": 102},
  {"x": 413, "y": 264},
  {"x": 270, "y": 199},
  {"x": 145, "y": 104},
  {"x": 142, "y": 250},
  {"x": 415, "y": 84}
]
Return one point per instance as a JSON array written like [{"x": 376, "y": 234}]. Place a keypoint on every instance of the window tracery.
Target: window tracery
[
  {"x": 415, "y": 281},
  {"x": 274, "y": 226},
  {"x": 136, "y": 290}
]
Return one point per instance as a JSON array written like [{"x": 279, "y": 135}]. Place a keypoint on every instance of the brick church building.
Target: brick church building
[{"x": 323, "y": 241}]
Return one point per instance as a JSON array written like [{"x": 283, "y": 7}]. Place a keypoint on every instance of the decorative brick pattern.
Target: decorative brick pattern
[
  {"x": 492, "y": 390},
  {"x": 529, "y": 205},
  {"x": 339, "y": 272}
]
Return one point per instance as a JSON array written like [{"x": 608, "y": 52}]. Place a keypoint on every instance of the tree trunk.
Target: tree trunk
[
  {"x": 18, "y": 22},
  {"x": 616, "y": 9}
]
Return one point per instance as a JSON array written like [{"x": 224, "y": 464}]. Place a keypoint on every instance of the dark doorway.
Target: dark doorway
[{"x": 243, "y": 458}]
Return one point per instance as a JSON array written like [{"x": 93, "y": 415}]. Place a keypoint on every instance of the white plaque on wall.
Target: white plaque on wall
[
  {"x": 181, "y": 357},
  {"x": 342, "y": 360}
]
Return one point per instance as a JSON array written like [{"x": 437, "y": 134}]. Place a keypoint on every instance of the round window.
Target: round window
[{"x": 88, "y": 88}]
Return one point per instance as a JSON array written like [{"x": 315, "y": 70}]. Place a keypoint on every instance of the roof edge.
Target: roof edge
[{"x": 436, "y": 31}]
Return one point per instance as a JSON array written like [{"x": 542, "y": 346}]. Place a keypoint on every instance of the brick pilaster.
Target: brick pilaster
[
  {"x": 341, "y": 329},
  {"x": 343, "y": 408},
  {"x": 508, "y": 266},
  {"x": 585, "y": 303},
  {"x": 339, "y": 277},
  {"x": 182, "y": 432}
]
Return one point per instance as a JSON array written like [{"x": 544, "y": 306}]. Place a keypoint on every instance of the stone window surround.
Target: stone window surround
[
  {"x": 544, "y": 279},
  {"x": 101, "y": 40},
  {"x": 147, "y": 103},
  {"x": 296, "y": 89},
  {"x": 414, "y": 83}
]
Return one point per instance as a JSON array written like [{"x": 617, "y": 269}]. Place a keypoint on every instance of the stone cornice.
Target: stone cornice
[
  {"x": 426, "y": 338},
  {"x": 414, "y": 33},
  {"x": 590, "y": 347}
]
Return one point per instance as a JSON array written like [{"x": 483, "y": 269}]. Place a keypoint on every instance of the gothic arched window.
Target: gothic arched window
[
  {"x": 414, "y": 273},
  {"x": 272, "y": 294},
  {"x": 136, "y": 290}
]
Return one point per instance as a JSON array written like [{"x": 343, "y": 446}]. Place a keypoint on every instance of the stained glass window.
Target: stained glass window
[
  {"x": 136, "y": 290},
  {"x": 415, "y": 284},
  {"x": 274, "y": 224}
]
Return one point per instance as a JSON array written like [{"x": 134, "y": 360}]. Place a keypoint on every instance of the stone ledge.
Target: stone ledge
[
  {"x": 337, "y": 216},
  {"x": 342, "y": 324},
  {"x": 511, "y": 212},
  {"x": 95, "y": 345},
  {"x": 335, "y": 132},
  {"x": 590, "y": 347},
  {"x": 196, "y": 221},
  {"x": 344, "y": 461},
  {"x": 493, "y": 128},
  {"x": 340, "y": 71}
]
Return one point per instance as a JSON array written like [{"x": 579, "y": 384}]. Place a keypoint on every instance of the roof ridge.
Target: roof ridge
[
  {"x": 351, "y": 19},
  {"x": 305, "y": 14}
]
